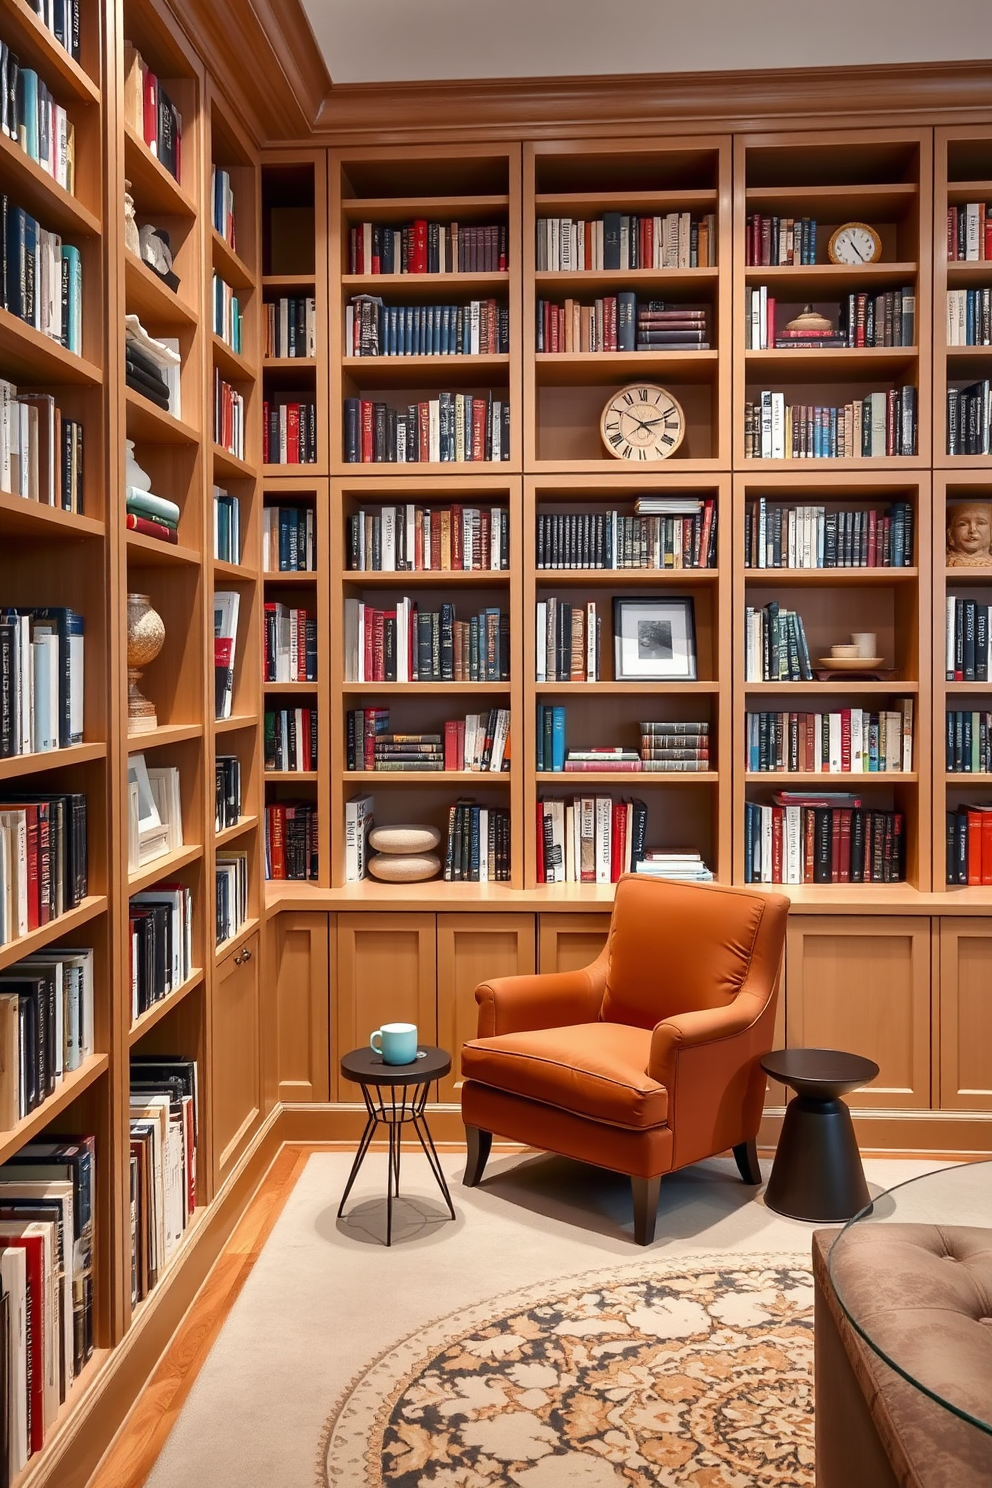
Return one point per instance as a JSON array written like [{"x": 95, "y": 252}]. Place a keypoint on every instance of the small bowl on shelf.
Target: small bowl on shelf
[{"x": 850, "y": 663}]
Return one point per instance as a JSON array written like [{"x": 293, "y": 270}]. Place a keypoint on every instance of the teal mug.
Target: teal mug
[{"x": 397, "y": 1043}]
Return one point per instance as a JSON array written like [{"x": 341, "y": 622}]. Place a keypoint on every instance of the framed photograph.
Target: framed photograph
[{"x": 654, "y": 639}]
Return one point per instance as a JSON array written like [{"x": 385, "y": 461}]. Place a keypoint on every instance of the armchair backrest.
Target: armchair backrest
[{"x": 680, "y": 948}]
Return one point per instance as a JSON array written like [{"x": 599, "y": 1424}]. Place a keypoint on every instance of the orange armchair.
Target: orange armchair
[{"x": 646, "y": 1060}]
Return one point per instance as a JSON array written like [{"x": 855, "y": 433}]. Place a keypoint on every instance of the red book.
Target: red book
[
  {"x": 704, "y": 539},
  {"x": 378, "y": 673},
  {"x": 986, "y": 847},
  {"x": 809, "y": 843},
  {"x": 149, "y": 103},
  {"x": 872, "y": 536},
  {"x": 265, "y": 433},
  {"x": 367, "y": 644},
  {"x": 844, "y": 876},
  {"x": 452, "y": 757},
  {"x": 292, "y": 433},
  {"x": 478, "y": 428},
  {"x": 835, "y": 847},
  {"x": 301, "y": 645},
  {"x": 540, "y": 842},
  {"x": 366, "y": 412},
  {"x": 151, "y": 529},
  {"x": 418, "y": 253},
  {"x": 423, "y": 431},
  {"x": 615, "y": 855},
  {"x": 482, "y": 540},
  {"x": 277, "y": 840},
  {"x": 890, "y": 421},
  {"x": 987, "y": 239},
  {"x": 38, "y": 912},
  {"x": 974, "y": 847}
]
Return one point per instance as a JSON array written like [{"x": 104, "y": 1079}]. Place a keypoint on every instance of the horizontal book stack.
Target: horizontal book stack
[
  {"x": 410, "y": 644},
  {"x": 775, "y": 648},
  {"x": 35, "y": 120},
  {"x": 966, "y": 640},
  {"x": 620, "y": 240},
  {"x": 289, "y": 432},
  {"x": 568, "y": 641},
  {"x": 41, "y": 453},
  {"x": 478, "y": 845},
  {"x": 229, "y": 417},
  {"x": 969, "y": 232},
  {"x": 227, "y": 791},
  {"x": 152, "y": 366},
  {"x": 969, "y": 844},
  {"x": 227, "y": 608},
  {"x": 222, "y": 205},
  {"x": 846, "y": 740},
  {"x": 453, "y": 427},
  {"x": 620, "y": 323},
  {"x": 291, "y": 327},
  {"x": 227, "y": 316},
  {"x": 43, "y": 859},
  {"x": 42, "y": 277},
  {"x": 415, "y": 539},
  {"x": 825, "y": 838},
  {"x": 779, "y": 240},
  {"x": 154, "y": 516},
  {"x": 290, "y": 644},
  {"x": 662, "y": 326},
  {"x": 969, "y": 317},
  {"x": 675, "y": 747},
  {"x": 577, "y": 540},
  {"x": 231, "y": 876},
  {"x": 589, "y": 839},
  {"x": 969, "y": 742},
  {"x": 151, "y": 113},
  {"x": 288, "y": 536},
  {"x": 674, "y": 863},
  {"x": 41, "y": 680},
  {"x": 164, "y": 1136},
  {"x": 372, "y": 329},
  {"x": 969, "y": 419},
  {"x": 291, "y": 840},
  {"x": 291, "y": 739},
  {"x": 425, "y": 247},
  {"x": 227, "y": 526},
  {"x": 160, "y": 946},
  {"x": 46, "y": 1027},
  {"x": 778, "y": 536},
  {"x": 880, "y": 424}
]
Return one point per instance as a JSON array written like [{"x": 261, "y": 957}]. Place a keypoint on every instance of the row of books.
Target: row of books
[
  {"x": 160, "y": 946},
  {"x": 775, "y": 648},
  {"x": 877, "y": 425},
  {"x": 969, "y": 317},
  {"x": 478, "y": 742},
  {"x": 828, "y": 838},
  {"x": 969, "y": 419},
  {"x": 969, "y": 844},
  {"x": 620, "y": 323},
  {"x": 43, "y": 859},
  {"x": 227, "y": 791},
  {"x": 231, "y": 878},
  {"x": 778, "y": 536},
  {"x": 848, "y": 740},
  {"x": 969, "y": 742},
  {"x": 152, "y": 366},
  {"x": 155, "y": 819},
  {"x": 567, "y": 641},
  {"x": 42, "y": 657},
  {"x": 372, "y": 329},
  {"x": 42, "y": 277},
  {"x": 424, "y": 247},
  {"x": 32, "y": 117},
  {"x": 291, "y": 327},
  {"x": 151, "y": 113},
  {"x": 478, "y": 844},
  {"x": 46, "y": 1027},
  {"x": 289, "y": 644},
  {"x": 289, "y": 432},
  {"x": 577, "y": 540},
  {"x": 227, "y": 526},
  {"x": 419, "y": 539},
  {"x": 227, "y": 609},
  {"x": 41, "y": 452},
  {"x": 886, "y": 319},
  {"x": 61, "y": 18},
  {"x": 288, "y": 539},
  {"x": 227, "y": 314},
  {"x": 290, "y": 739},
  {"x": 229, "y": 417},
  {"x": 451, "y": 427},
  {"x": 969, "y": 232},
  {"x": 622, "y": 240},
  {"x": 678, "y": 747},
  {"x": 966, "y": 640},
  {"x": 589, "y": 839},
  {"x": 291, "y": 840},
  {"x": 153, "y": 516},
  {"x": 779, "y": 240},
  {"x": 409, "y": 644},
  {"x": 222, "y": 205},
  {"x": 163, "y": 1144}
]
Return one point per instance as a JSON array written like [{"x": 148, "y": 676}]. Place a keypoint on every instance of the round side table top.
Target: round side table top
[
  {"x": 822, "y": 1073},
  {"x": 366, "y": 1067}
]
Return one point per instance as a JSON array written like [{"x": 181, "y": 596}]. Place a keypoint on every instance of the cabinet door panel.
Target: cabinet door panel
[
  {"x": 302, "y": 989},
  {"x": 966, "y": 1014},
  {"x": 863, "y": 985},
  {"x": 570, "y": 941},
  {"x": 386, "y": 973},
  {"x": 236, "y": 1083},
  {"x": 471, "y": 949}
]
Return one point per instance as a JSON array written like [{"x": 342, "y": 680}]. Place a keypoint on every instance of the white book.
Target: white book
[
  {"x": 907, "y": 733},
  {"x": 358, "y": 822},
  {"x": 766, "y": 844},
  {"x": 558, "y": 839},
  {"x": 893, "y": 740},
  {"x": 949, "y": 637},
  {"x": 878, "y": 423},
  {"x": 541, "y": 638},
  {"x": 45, "y": 674},
  {"x": 792, "y": 842},
  {"x": 483, "y": 844},
  {"x": 604, "y": 838},
  {"x": 13, "y": 1273},
  {"x": 834, "y": 746},
  {"x": 17, "y": 871},
  {"x": 857, "y": 740},
  {"x": 571, "y": 844},
  {"x": 778, "y": 426}
]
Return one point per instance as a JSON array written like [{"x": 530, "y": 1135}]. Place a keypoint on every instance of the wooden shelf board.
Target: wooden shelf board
[
  {"x": 233, "y": 366},
  {"x": 163, "y": 1007},
  {"x": 170, "y": 1266},
  {"x": 585, "y": 280},
  {"x": 981, "y": 463},
  {"x": 631, "y": 689},
  {"x": 293, "y": 363},
  {"x": 420, "y": 689},
  {"x": 832, "y": 364},
  {"x": 28, "y": 356},
  {"x": 36, "y": 940},
  {"x": 288, "y": 281},
  {"x": 151, "y": 299},
  {"x": 959, "y": 192},
  {"x": 234, "y": 941},
  {"x": 816, "y": 280},
  {"x": 623, "y": 777},
  {"x": 72, "y": 1085},
  {"x": 235, "y": 571},
  {"x": 420, "y": 777},
  {"x": 865, "y": 464},
  {"x": 291, "y": 775},
  {"x": 154, "y": 552},
  {"x": 960, "y": 778},
  {"x": 147, "y": 422},
  {"x": 51, "y": 759},
  {"x": 232, "y": 725},
  {"x": 386, "y": 371},
  {"x": 231, "y": 834},
  {"x": 398, "y": 208},
  {"x": 968, "y": 354},
  {"x": 438, "y": 578},
  {"x": 154, "y": 189},
  {"x": 965, "y": 688},
  {"x": 292, "y": 687},
  {"x": 231, "y": 467},
  {"x": 981, "y": 576},
  {"x": 862, "y": 202},
  {"x": 40, "y": 194},
  {"x": 228, "y": 263},
  {"x": 969, "y": 273},
  {"x": 643, "y": 203},
  {"x": 163, "y": 867},
  {"x": 842, "y": 780},
  {"x": 45, "y": 523},
  {"x": 604, "y": 465},
  {"x": 605, "y": 578},
  {"x": 292, "y": 576},
  {"x": 575, "y": 368},
  {"x": 810, "y": 689},
  {"x": 420, "y": 469},
  {"x": 36, "y": 46},
  {"x": 423, "y": 286},
  {"x": 166, "y": 733},
  {"x": 830, "y": 577}
]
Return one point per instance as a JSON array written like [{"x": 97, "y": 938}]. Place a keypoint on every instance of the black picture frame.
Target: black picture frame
[{"x": 654, "y": 638}]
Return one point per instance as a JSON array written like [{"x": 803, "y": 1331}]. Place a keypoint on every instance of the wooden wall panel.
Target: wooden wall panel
[
  {"x": 385, "y": 972},
  {"x": 236, "y": 1090},
  {"x": 471, "y": 949},
  {"x": 567, "y": 942},
  {"x": 302, "y": 988},
  {"x": 965, "y": 1061}
]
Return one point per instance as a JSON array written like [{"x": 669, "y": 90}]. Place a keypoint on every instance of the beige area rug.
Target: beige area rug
[{"x": 695, "y": 1375}]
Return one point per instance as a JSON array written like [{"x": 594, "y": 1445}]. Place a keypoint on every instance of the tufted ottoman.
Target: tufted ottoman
[{"x": 923, "y": 1293}]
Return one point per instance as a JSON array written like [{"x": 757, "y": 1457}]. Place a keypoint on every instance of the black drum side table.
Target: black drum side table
[
  {"x": 817, "y": 1173},
  {"x": 395, "y": 1095}
]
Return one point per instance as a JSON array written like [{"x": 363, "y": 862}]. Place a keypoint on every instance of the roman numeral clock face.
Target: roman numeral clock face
[{"x": 641, "y": 423}]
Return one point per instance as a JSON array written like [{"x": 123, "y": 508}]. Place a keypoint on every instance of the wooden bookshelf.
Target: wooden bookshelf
[{"x": 962, "y": 174}]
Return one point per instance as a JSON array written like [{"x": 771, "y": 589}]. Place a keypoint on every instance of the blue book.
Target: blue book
[
  {"x": 626, "y": 320},
  {"x": 27, "y": 111},
  {"x": 558, "y": 739},
  {"x": 16, "y": 268},
  {"x": 72, "y": 278},
  {"x": 408, "y": 340}
]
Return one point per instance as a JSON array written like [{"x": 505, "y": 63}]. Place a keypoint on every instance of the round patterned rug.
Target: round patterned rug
[{"x": 696, "y": 1373}]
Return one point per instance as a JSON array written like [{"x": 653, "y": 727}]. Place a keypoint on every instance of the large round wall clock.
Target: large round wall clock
[
  {"x": 642, "y": 422},
  {"x": 854, "y": 243}
]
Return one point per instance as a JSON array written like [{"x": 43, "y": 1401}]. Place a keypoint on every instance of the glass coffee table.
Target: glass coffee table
[{"x": 913, "y": 1275}]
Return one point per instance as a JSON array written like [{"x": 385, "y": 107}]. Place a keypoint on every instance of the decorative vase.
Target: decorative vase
[
  {"x": 145, "y": 639},
  {"x": 132, "y": 240}
]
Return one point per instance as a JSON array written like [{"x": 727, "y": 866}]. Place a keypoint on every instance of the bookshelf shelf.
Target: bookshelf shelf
[
  {"x": 230, "y": 467},
  {"x": 228, "y": 264},
  {"x": 29, "y": 355},
  {"x": 572, "y": 368},
  {"x": 289, "y": 364},
  {"x": 959, "y": 778},
  {"x": 166, "y": 733},
  {"x": 396, "y": 209},
  {"x": 72, "y": 1086},
  {"x": 830, "y": 577},
  {"x": 627, "y": 689},
  {"x": 239, "y": 828},
  {"x": 66, "y": 924},
  {"x": 229, "y": 946},
  {"x": 822, "y": 689},
  {"x": 164, "y": 1007},
  {"x": 147, "y": 423},
  {"x": 293, "y": 688},
  {"x": 32, "y": 519},
  {"x": 152, "y": 552},
  {"x": 163, "y": 868},
  {"x": 430, "y": 578},
  {"x": 295, "y": 578},
  {"x": 52, "y": 759},
  {"x": 626, "y": 578},
  {"x": 149, "y": 298},
  {"x": 967, "y": 273},
  {"x": 422, "y": 777},
  {"x": 427, "y": 287},
  {"x": 236, "y": 572},
  {"x": 584, "y": 282},
  {"x": 641, "y": 203},
  {"x": 413, "y": 689},
  {"x": 576, "y": 779},
  {"x": 383, "y": 371},
  {"x": 862, "y": 202},
  {"x": 836, "y": 780},
  {"x": 32, "y": 187},
  {"x": 232, "y": 365},
  {"x": 288, "y": 281},
  {"x": 820, "y": 280},
  {"x": 291, "y": 775},
  {"x": 841, "y": 364},
  {"x": 236, "y": 723},
  {"x": 154, "y": 189}
]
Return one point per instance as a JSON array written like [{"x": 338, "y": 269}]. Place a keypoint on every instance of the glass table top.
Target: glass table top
[{"x": 894, "y": 1289}]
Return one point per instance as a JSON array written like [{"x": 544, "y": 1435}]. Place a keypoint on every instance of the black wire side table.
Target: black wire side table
[{"x": 395, "y": 1096}]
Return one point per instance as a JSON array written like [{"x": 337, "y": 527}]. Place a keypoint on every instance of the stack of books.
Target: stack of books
[
  {"x": 41, "y": 453},
  {"x": 846, "y": 740},
  {"x": 291, "y": 739},
  {"x": 160, "y": 946},
  {"x": 449, "y": 428},
  {"x": 291, "y": 840},
  {"x": 662, "y": 326},
  {"x": 291, "y": 327},
  {"x": 372, "y": 329},
  {"x": 222, "y": 206},
  {"x": 289, "y": 432},
  {"x": 568, "y": 641},
  {"x": 478, "y": 845},
  {"x": 969, "y": 419},
  {"x": 155, "y": 516},
  {"x": 229, "y": 417},
  {"x": 290, "y": 644},
  {"x": 969, "y": 742},
  {"x": 164, "y": 1125},
  {"x": 826, "y": 837},
  {"x": 288, "y": 536},
  {"x": 31, "y": 117},
  {"x": 675, "y": 864},
  {"x": 969, "y": 844},
  {"x": 423, "y": 247},
  {"x": 415, "y": 539},
  {"x": 677, "y": 747},
  {"x": 969, "y": 317},
  {"x": 227, "y": 526},
  {"x": 42, "y": 277},
  {"x": 46, "y": 1027},
  {"x": 778, "y": 536},
  {"x": 227, "y": 791},
  {"x": 42, "y": 666},
  {"x": 775, "y": 648},
  {"x": 665, "y": 532},
  {"x": 43, "y": 859},
  {"x": 152, "y": 365},
  {"x": 589, "y": 839}
]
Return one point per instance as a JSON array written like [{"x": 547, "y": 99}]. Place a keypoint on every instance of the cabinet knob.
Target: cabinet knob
[{"x": 242, "y": 957}]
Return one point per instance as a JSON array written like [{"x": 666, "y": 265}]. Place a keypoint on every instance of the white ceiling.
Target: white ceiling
[{"x": 374, "y": 41}]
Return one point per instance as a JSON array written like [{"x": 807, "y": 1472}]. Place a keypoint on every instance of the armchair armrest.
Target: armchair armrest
[
  {"x": 684, "y": 1031},
  {"x": 519, "y": 1004}
]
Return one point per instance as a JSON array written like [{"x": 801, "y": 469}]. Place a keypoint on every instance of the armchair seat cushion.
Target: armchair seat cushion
[{"x": 595, "y": 1070}]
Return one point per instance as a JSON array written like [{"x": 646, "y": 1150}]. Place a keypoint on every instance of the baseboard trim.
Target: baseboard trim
[{"x": 885, "y": 1133}]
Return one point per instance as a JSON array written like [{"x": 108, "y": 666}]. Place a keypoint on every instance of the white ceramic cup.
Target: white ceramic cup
[
  {"x": 845, "y": 653},
  {"x": 866, "y": 641}
]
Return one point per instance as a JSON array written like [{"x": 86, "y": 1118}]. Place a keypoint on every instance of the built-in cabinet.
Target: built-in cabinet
[
  {"x": 237, "y": 1094},
  {"x": 964, "y": 1032}
]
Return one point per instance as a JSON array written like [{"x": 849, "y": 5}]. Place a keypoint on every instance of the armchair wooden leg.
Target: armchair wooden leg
[
  {"x": 746, "y": 1155},
  {"x": 479, "y": 1146},
  {"x": 645, "y": 1193}
]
